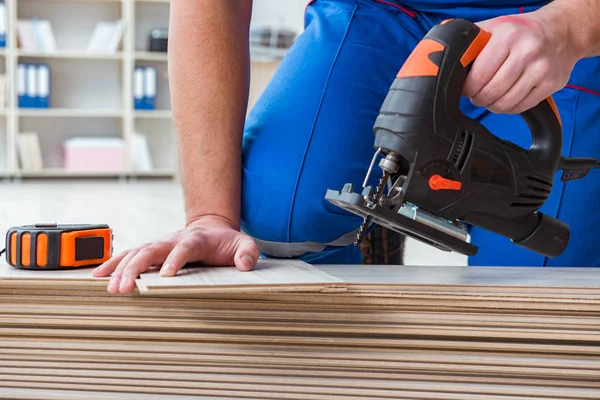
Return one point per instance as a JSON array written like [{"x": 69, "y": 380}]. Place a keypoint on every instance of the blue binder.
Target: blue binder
[
  {"x": 3, "y": 23},
  {"x": 43, "y": 86},
  {"x": 32, "y": 99},
  {"x": 144, "y": 88},
  {"x": 22, "y": 85},
  {"x": 138, "y": 88},
  {"x": 150, "y": 88}
]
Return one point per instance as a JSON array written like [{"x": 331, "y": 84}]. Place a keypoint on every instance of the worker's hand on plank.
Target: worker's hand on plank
[
  {"x": 209, "y": 240},
  {"x": 528, "y": 58},
  {"x": 209, "y": 80}
]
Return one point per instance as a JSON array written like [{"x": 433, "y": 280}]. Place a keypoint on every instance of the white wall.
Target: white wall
[{"x": 286, "y": 13}]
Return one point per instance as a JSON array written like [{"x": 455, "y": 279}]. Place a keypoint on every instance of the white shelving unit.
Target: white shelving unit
[{"x": 91, "y": 94}]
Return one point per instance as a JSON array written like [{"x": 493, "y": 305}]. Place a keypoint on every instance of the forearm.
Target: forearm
[
  {"x": 581, "y": 21},
  {"x": 209, "y": 79}
]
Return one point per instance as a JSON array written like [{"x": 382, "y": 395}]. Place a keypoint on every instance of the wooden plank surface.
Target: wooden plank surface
[
  {"x": 27, "y": 393},
  {"x": 272, "y": 273},
  {"x": 77, "y": 274},
  {"x": 389, "y": 333},
  {"x": 491, "y": 277},
  {"x": 267, "y": 275}
]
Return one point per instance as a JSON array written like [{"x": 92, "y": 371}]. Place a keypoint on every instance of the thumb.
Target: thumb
[{"x": 246, "y": 253}]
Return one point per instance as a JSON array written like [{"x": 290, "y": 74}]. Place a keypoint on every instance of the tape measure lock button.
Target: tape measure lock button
[
  {"x": 46, "y": 225},
  {"x": 55, "y": 246}
]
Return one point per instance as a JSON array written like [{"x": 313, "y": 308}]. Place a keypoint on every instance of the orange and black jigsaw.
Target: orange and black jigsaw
[
  {"x": 53, "y": 246},
  {"x": 443, "y": 171}
]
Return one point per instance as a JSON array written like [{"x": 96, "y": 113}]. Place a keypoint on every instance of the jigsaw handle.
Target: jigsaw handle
[
  {"x": 465, "y": 41},
  {"x": 429, "y": 86}
]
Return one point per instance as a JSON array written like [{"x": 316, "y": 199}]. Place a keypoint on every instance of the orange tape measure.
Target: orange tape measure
[{"x": 53, "y": 246}]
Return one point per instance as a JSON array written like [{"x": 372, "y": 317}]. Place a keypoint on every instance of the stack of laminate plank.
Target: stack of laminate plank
[{"x": 333, "y": 332}]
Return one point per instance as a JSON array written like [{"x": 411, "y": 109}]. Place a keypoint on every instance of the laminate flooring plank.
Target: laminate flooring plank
[
  {"x": 71, "y": 393},
  {"x": 219, "y": 392},
  {"x": 297, "y": 312},
  {"x": 415, "y": 300},
  {"x": 356, "y": 318},
  {"x": 23, "y": 393},
  {"x": 256, "y": 371},
  {"x": 556, "y": 335},
  {"x": 275, "y": 380},
  {"x": 383, "y": 300},
  {"x": 422, "y": 351},
  {"x": 258, "y": 366},
  {"x": 282, "y": 272},
  {"x": 553, "y": 291},
  {"x": 316, "y": 301},
  {"x": 268, "y": 274},
  {"x": 525, "y": 277},
  {"x": 374, "y": 389},
  {"x": 416, "y": 364},
  {"x": 528, "y": 347},
  {"x": 77, "y": 274},
  {"x": 286, "y": 322}
]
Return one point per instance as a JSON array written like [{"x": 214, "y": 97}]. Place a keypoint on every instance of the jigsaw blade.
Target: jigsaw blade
[
  {"x": 382, "y": 182},
  {"x": 367, "y": 221}
]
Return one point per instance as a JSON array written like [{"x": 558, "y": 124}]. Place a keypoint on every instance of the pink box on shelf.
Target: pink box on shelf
[{"x": 94, "y": 154}]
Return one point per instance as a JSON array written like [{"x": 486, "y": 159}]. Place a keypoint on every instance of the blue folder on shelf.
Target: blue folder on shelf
[
  {"x": 138, "y": 88},
  {"x": 43, "y": 86},
  {"x": 150, "y": 88},
  {"x": 33, "y": 85},
  {"x": 144, "y": 88},
  {"x": 22, "y": 85},
  {"x": 3, "y": 23},
  {"x": 31, "y": 92}
]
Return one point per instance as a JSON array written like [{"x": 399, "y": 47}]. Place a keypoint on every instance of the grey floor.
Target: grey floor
[{"x": 138, "y": 212}]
